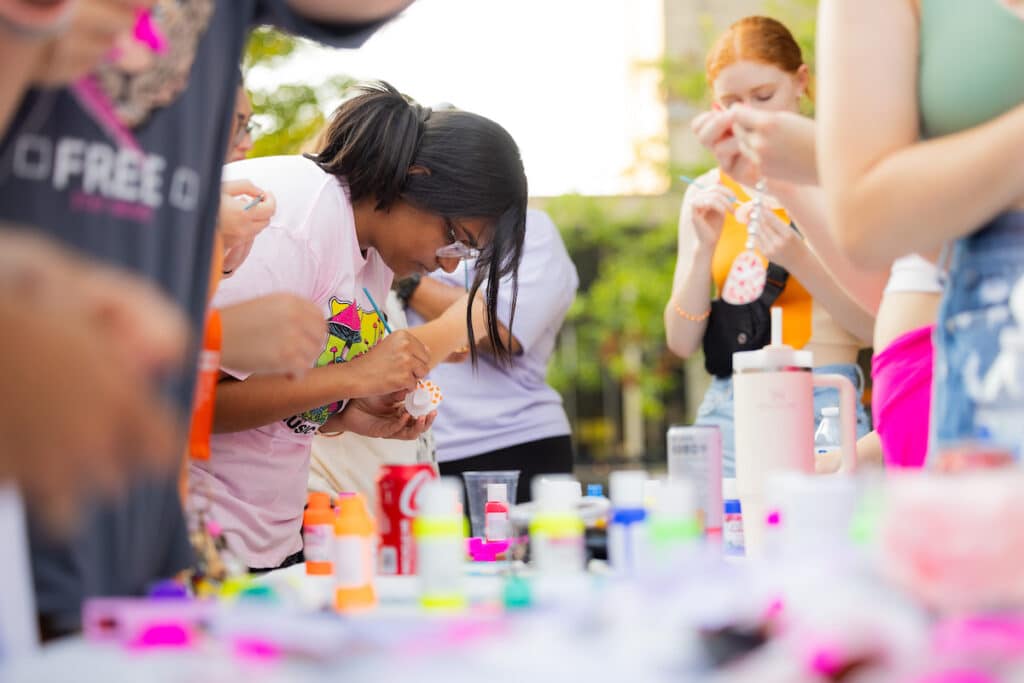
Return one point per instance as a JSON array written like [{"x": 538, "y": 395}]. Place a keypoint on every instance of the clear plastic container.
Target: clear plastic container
[{"x": 476, "y": 494}]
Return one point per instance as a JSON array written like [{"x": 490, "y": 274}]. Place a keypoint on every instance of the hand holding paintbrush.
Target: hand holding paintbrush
[{"x": 245, "y": 210}]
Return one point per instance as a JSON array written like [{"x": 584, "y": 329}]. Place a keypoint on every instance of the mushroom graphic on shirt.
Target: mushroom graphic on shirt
[{"x": 345, "y": 326}]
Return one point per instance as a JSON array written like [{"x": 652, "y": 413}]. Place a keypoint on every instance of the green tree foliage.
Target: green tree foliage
[
  {"x": 290, "y": 116},
  {"x": 267, "y": 46},
  {"x": 625, "y": 260}
]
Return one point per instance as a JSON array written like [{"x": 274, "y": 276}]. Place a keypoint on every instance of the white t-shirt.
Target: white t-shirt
[
  {"x": 255, "y": 481},
  {"x": 496, "y": 406}
]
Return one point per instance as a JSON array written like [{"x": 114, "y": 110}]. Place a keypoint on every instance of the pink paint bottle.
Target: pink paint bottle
[{"x": 496, "y": 515}]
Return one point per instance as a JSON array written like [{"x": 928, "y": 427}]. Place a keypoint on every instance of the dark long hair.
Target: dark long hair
[{"x": 472, "y": 170}]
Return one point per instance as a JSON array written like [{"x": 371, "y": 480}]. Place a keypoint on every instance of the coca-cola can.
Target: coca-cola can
[{"x": 398, "y": 486}]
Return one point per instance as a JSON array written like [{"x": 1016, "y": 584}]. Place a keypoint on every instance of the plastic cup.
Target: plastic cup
[{"x": 476, "y": 494}]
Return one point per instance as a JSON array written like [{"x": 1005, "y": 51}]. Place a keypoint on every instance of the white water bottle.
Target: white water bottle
[{"x": 827, "y": 442}]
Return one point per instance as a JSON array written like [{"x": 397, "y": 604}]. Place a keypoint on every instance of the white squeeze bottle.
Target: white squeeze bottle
[
  {"x": 627, "y": 525},
  {"x": 440, "y": 545},
  {"x": 556, "y": 530}
]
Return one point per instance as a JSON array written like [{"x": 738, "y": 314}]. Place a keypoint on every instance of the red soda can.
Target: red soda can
[{"x": 397, "y": 486}]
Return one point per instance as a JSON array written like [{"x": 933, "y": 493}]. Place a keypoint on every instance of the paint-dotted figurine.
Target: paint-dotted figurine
[{"x": 425, "y": 398}]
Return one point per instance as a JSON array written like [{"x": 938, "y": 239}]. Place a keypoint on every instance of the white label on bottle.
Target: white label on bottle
[
  {"x": 439, "y": 564},
  {"x": 732, "y": 533},
  {"x": 350, "y": 569},
  {"x": 496, "y": 526},
  {"x": 316, "y": 542},
  {"x": 558, "y": 554}
]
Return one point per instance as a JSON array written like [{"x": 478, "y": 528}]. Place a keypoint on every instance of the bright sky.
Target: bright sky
[{"x": 561, "y": 75}]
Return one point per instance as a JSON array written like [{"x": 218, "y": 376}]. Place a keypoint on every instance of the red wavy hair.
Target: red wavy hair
[{"x": 755, "y": 39}]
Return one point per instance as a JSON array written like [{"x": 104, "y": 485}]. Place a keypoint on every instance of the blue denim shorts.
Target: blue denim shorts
[
  {"x": 984, "y": 286},
  {"x": 717, "y": 408}
]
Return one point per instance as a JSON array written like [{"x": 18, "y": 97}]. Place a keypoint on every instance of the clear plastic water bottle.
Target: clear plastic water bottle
[{"x": 827, "y": 442}]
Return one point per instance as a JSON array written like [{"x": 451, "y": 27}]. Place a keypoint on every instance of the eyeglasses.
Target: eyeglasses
[
  {"x": 456, "y": 247},
  {"x": 244, "y": 125}
]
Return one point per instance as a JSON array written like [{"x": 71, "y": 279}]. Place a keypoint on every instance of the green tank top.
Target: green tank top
[{"x": 972, "y": 64}]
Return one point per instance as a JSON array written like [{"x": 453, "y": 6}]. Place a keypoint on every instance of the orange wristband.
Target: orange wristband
[{"x": 690, "y": 316}]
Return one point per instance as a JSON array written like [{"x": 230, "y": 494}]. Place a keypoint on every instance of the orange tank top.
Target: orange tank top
[{"x": 795, "y": 300}]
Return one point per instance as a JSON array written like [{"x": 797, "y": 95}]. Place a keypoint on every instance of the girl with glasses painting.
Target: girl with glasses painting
[
  {"x": 394, "y": 189},
  {"x": 505, "y": 416}
]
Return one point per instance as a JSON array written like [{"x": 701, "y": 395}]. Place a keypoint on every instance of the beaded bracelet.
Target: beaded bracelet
[{"x": 691, "y": 317}]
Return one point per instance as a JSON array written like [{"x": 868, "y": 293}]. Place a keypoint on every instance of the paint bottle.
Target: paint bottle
[
  {"x": 440, "y": 545},
  {"x": 496, "y": 521},
  {"x": 556, "y": 530},
  {"x": 674, "y": 521},
  {"x": 355, "y": 541},
  {"x": 318, "y": 535},
  {"x": 596, "y": 534},
  {"x": 627, "y": 529},
  {"x": 732, "y": 520}
]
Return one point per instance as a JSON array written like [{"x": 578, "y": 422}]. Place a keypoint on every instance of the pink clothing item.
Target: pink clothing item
[
  {"x": 902, "y": 397},
  {"x": 255, "y": 481}
]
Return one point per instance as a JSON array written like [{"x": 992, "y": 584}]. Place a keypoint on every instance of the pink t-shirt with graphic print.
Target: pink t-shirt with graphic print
[{"x": 254, "y": 484}]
